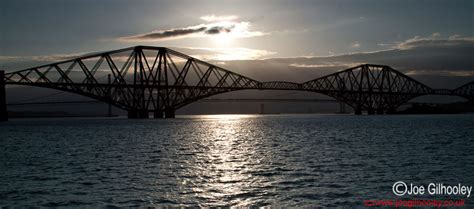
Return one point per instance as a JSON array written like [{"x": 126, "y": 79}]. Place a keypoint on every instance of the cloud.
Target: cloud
[
  {"x": 429, "y": 53},
  {"x": 340, "y": 65},
  {"x": 44, "y": 58},
  {"x": 9, "y": 58},
  {"x": 217, "y": 25},
  {"x": 434, "y": 41},
  {"x": 440, "y": 72},
  {"x": 440, "y": 63},
  {"x": 355, "y": 44},
  {"x": 13, "y": 63},
  {"x": 214, "y": 18},
  {"x": 167, "y": 34},
  {"x": 225, "y": 54},
  {"x": 219, "y": 29},
  {"x": 435, "y": 35},
  {"x": 454, "y": 37}
]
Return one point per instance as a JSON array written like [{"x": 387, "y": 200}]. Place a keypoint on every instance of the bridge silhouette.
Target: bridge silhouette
[{"x": 158, "y": 80}]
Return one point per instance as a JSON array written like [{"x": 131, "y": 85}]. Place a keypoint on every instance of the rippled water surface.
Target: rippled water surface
[{"x": 229, "y": 160}]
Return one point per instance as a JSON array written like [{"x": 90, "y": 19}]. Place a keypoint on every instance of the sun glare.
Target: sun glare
[
  {"x": 224, "y": 117},
  {"x": 223, "y": 39}
]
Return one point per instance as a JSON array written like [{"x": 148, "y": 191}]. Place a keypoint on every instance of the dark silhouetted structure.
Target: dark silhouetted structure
[
  {"x": 158, "y": 80},
  {"x": 3, "y": 102}
]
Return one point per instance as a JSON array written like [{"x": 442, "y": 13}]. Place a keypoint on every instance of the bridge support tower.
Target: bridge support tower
[
  {"x": 143, "y": 114},
  {"x": 370, "y": 111},
  {"x": 3, "y": 98},
  {"x": 380, "y": 111},
  {"x": 132, "y": 114},
  {"x": 158, "y": 114},
  {"x": 392, "y": 110},
  {"x": 109, "y": 104},
  {"x": 358, "y": 111},
  {"x": 169, "y": 114}
]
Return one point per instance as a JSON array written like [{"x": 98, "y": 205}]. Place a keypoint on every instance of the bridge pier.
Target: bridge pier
[
  {"x": 370, "y": 112},
  {"x": 357, "y": 111},
  {"x": 3, "y": 98},
  {"x": 158, "y": 114},
  {"x": 143, "y": 114},
  {"x": 392, "y": 111},
  {"x": 132, "y": 114},
  {"x": 169, "y": 114}
]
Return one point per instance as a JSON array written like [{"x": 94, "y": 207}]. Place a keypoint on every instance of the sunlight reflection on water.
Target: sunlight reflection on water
[{"x": 228, "y": 160}]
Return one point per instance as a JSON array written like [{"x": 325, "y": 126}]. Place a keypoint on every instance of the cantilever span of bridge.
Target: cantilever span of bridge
[{"x": 158, "y": 80}]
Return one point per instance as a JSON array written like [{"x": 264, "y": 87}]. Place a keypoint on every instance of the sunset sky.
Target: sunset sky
[{"x": 429, "y": 39}]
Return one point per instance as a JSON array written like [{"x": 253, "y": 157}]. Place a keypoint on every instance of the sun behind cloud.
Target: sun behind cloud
[
  {"x": 214, "y": 18},
  {"x": 223, "y": 39},
  {"x": 221, "y": 29}
]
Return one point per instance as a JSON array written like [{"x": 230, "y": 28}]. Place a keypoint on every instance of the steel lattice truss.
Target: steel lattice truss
[
  {"x": 145, "y": 79},
  {"x": 369, "y": 87},
  {"x": 466, "y": 91}
]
